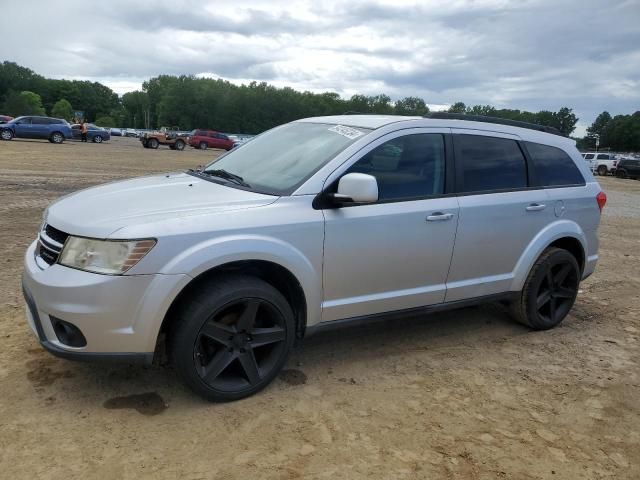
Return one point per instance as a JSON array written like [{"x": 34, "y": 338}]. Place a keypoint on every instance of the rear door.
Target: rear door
[
  {"x": 40, "y": 127},
  {"x": 500, "y": 213}
]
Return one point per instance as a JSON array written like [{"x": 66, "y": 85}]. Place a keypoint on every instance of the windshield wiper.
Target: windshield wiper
[{"x": 237, "y": 179}]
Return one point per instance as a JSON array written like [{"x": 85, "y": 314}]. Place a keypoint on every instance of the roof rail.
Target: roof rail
[
  {"x": 500, "y": 121},
  {"x": 351, "y": 112}
]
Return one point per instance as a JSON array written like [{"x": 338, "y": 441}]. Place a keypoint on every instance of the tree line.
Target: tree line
[
  {"x": 189, "y": 102},
  {"x": 620, "y": 133}
]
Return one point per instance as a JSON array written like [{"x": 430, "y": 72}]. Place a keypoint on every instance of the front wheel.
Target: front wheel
[
  {"x": 621, "y": 173},
  {"x": 6, "y": 134},
  {"x": 153, "y": 143},
  {"x": 57, "y": 137},
  {"x": 97, "y": 139},
  {"x": 549, "y": 291},
  {"x": 232, "y": 337}
]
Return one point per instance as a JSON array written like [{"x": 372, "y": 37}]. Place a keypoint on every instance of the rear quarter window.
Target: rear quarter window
[{"x": 553, "y": 166}]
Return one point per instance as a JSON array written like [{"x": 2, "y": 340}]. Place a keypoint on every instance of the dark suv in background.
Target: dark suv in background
[
  {"x": 204, "y": 139},
  {"x": 628, "y": 168},
  {"x": 56, "y": 130}
]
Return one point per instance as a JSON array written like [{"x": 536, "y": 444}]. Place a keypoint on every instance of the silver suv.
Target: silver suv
[{"x": 313, "y": 222}]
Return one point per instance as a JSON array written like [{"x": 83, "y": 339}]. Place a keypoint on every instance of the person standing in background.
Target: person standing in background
[{"x": 83, "y": 130}]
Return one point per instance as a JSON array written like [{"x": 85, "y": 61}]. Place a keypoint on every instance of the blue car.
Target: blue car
[
  {"x": 55, "y": 130},
  {"x": 94, "y": 133}
]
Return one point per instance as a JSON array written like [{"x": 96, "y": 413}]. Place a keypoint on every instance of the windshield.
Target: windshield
[{"x": 280, "y": 160}]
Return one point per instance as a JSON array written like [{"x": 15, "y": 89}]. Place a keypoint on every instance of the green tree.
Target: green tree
[
  {"x": 62, "y": 109},
  {"x": 104, "y": 121},
  {"x": 410, "y": 106},
  {"x": 458, "y": 107},
  {"x": 23, "y": 103}
]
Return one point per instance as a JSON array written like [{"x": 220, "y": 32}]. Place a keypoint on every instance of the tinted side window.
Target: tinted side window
[
  {"x": 553, "y": 166},
  {"x": 603, "y": 156},
  {"x": 490, "y": 163},
  {"x": 589, "y": 156},
  {"x": 39, "y": 121},
  {"x": 406, "y": 167}
]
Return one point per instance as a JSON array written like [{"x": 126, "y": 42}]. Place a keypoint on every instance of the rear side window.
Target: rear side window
[
  {"x": 553, "y": 166},
  {"x": 489, "y": 163},
  {"x": 603, "y": 156},
  {"x": 39, "y": 121}
]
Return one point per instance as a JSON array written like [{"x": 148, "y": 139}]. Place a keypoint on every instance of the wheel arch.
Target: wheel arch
[
  {"x": 563, "y": 234},
  {"x": 278, "y": 276}
]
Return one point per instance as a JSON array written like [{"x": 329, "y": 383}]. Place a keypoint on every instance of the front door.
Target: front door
[
  {"x": 24, "y": 128},
  {"x": 393, "y": 254}
]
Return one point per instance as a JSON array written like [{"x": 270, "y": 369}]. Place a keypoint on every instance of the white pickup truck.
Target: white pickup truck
[{"x": 601, "y": 163}]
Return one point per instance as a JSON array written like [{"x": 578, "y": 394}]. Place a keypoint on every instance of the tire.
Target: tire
[
  {"x": 97, "y": 139},
  {"x": 549, "y": 291},
  {"x": 179, "y": 145},
  {"x": 153, "y": 143},
  {"x": 203, "y": 146},
  {"x": 621, "y": 173},
  {"x": 602, "y": 170},
  {"x": 6, "y": 134},
  {"x": 145, "y": 144},
  {"x": 216, "y": 347},
  {"x": 56, "y": 137}
]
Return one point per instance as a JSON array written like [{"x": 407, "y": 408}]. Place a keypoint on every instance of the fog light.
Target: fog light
[{"x": 68, "y": 333}]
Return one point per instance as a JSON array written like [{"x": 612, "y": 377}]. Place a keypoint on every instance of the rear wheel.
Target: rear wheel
[
  {"x": 602, "y": 170},
  {"x": 203, "y": 145},
  {"x": 97, "y": 139},
  {"x": 57, "y": 137},
  {"x": 179, "y": 145},
  {"x": 549, "y": 291},
  {"x": 153, "y": 143},
  {"x": 232, "y": 337},
  {"x": 6, "y": 134}
]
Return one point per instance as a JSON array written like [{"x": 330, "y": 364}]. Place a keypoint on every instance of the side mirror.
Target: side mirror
[{"x": 357, "y": 188}]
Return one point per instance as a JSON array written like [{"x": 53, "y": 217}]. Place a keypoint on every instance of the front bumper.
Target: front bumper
[{"x": 120, "y": 316}]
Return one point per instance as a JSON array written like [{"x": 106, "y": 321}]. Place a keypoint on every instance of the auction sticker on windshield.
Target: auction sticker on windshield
[{"x": 348, "y": 132}]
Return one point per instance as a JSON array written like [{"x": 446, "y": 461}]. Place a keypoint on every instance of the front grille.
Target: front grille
[
  {"x": 55, "y": 234},
  {"x": 50, "y": 243}
]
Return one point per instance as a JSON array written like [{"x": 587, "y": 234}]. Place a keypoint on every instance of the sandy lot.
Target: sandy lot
[{"x": 463, "y": 394}]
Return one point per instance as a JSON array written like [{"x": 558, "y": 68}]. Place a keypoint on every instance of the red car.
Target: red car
[
  {"x": 5, "y": 118},
  {"x": 204, "y": 139}
]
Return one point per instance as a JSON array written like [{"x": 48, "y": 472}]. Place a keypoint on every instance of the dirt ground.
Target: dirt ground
[{"x": 463, "y": 394}]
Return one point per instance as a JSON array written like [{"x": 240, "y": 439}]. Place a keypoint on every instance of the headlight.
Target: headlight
[{"x": 113, "y": 257}]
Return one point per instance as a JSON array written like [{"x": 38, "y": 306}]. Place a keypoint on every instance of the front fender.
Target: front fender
[
  {"x": 219, "y": 251},
  {"x": 554, "y": 231}
]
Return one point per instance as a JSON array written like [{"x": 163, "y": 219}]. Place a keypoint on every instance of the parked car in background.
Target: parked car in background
[
  {"x": 204, "y": 139},
  {"x": 5, "y": 118},
  {"x": 311, "y": 223},
  {"x": 130, "y": 132},
  {"x": 628, "y": 168},
  {"x": 115, "y": 132},
  {"x": 601, "y": 163},
  {"x": 56, "y": 130},
  {"x": 94, "y": 134}
]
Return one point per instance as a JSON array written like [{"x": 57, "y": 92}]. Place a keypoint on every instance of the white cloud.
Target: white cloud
[{"x": 528, "y": 54}]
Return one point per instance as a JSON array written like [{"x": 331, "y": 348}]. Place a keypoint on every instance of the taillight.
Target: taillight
[{"x": 601, "y": 198}]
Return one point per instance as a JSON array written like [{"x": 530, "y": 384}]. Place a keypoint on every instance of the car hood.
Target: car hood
[{"x": 100, "y": 211}]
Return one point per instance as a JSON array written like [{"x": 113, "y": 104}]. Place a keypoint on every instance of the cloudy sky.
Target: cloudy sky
[{"x": 528, "y": 54}]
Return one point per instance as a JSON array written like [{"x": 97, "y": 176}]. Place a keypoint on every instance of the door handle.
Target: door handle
[
  {"x": 536, "y": 207},
  {"x": 439, "y": 217}
]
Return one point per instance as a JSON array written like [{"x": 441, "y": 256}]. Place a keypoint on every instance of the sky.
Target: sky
[{"x": 526, "y": 54}]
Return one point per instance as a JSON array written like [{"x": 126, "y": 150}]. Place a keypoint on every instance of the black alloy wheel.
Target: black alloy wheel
[
  {"x": 549, "y": 291},
  {"x": 232, "y": 338}
]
